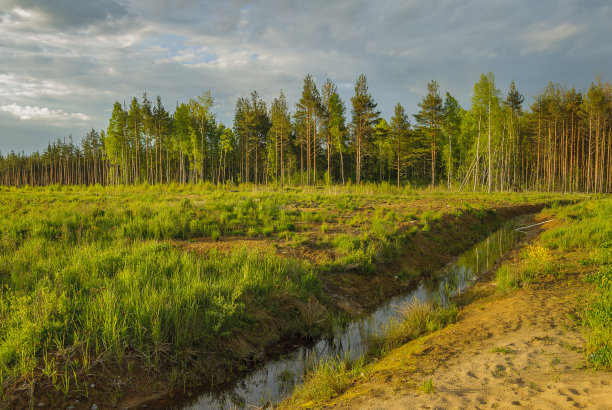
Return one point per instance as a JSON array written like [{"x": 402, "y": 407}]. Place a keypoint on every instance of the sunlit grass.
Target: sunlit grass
[
  {"x": 587, "y": 228},
  {"x": 416, "y": 319},
  {"x": 328, "y": 379},
  {"x": 94, "y": 272}
]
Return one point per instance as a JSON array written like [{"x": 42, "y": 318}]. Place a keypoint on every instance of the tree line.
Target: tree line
[{"x": 560, "y": 143}]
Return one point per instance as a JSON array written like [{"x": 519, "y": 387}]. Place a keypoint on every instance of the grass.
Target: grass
[
  {"x": 598, "y": 318},
  {"x": 326, "y": 380},
  {"x": 427, "y": 387},
  {"x": 332, "y": 377},
  {"x": 536, "y": 261},
  {"x": 417, "y": 318},
  {"x": 92, "y": 276},
  {"x": 586, "y": 228},
  {"x": 501, "y": 349}
]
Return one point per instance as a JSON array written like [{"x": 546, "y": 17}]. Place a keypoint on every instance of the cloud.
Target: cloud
[
  {"x": 41, "y": 113},
  {"x": 80, "y": 56},
  {"x": 545, "y": 38},
  {"x": 12, "y": 85},
  {"x": 65, "y": 14}
]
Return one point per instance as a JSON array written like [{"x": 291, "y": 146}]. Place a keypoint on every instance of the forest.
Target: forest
[{"x": 560, "y": 143}]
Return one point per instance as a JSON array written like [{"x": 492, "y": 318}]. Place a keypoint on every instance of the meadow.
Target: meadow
[{"x": 111, "y": 286}]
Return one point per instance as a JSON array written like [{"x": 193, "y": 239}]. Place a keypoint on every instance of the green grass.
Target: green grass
[
  {"x": 598, "y": 317},
  {"x": 332, "y": 377},
  {"x": 417, "y": 318},
  {"x": 93, "y": 274},
  {"x": 328, "y": 379},
  {"x": 427, "y": 386},
  {"x": 507, "y": 278},
  {"x": 501, "y": 349},
  {"x": 587, "y": 228},
  {"x": 537, "y": 260}
]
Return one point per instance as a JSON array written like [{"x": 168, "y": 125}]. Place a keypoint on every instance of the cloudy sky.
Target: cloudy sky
[{"x": 64, "y": 62}]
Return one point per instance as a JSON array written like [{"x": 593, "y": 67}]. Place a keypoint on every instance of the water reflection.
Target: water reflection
[{"x": 276, "y": 379}]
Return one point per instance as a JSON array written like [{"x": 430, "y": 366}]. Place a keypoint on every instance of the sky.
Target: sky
[{"x": 63, "y": 63}]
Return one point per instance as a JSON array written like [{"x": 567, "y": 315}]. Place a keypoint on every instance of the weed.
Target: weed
[
  {"x": 65, "y": 385},
  {"x": 313, "y": 314},
  {"x": 502, "y": 349},
  {"x": 286, "y": 378},
  {"x": 328, "y": 379},
  {"x": 506, "y": 278},
  {"x": 588, "y": 227},
  {"x": 427, "y": 386}
]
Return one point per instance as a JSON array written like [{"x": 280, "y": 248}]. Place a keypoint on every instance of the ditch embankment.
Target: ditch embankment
[
  {"x": 348, "y": 292},
  {"x": 536, "y": 341}
]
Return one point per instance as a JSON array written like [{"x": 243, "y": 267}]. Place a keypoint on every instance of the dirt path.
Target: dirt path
[{"x": 520, "y": 350}]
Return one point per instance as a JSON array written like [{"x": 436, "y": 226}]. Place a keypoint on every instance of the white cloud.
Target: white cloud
[
  {"x": 12, "y": 85},
  {"x": 22, "y": 13},
  {"x": 544, "y": 38},
  {"x": 41, "y": 113}
]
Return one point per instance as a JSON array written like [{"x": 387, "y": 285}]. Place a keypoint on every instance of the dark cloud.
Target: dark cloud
[
  {"x": 69, "y": 14},
  {"x": 76, "y": 57}
]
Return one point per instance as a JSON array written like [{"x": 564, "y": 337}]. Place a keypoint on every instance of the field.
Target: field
[
  {"x": 534, "y": 332},
  {"x": 110, "y": 293}
]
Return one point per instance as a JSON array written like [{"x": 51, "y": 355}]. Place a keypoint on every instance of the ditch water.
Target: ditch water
[{"x": 277, "y": 378}]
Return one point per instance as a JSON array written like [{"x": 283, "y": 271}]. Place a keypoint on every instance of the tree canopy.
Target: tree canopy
[{"x": 562, "y": 141}]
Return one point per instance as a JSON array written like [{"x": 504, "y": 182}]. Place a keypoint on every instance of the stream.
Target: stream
[{"x": 275, "y": 380}]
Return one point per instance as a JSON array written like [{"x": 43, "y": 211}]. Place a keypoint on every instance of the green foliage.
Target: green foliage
[
  {"x": 507, "y": 279},
  {"x": 86, "y": 270},
  {"x": 536, "y": 261}
]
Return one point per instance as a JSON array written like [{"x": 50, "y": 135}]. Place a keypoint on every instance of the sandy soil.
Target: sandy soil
[{"x": 521, "y": 350}]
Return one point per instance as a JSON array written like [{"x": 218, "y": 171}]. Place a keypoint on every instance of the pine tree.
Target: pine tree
[
  {"x": 451, "y": 126},
  {"x": 310, "y": 109},
  {"x": 365, "y": 116},
  {"x": 400, "y": 126},
  {"x": 429, "y": 118},
  {"x": 280, "y": 128}
]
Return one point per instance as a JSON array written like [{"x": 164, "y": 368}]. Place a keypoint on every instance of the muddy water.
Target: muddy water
[{"x": 276, "y": 379}]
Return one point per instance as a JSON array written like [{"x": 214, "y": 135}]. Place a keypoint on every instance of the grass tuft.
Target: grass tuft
[
  {"x": 417, "y": 318},
  {"x": 427, "y": 387},
  {"x": 328, "y": 379}
]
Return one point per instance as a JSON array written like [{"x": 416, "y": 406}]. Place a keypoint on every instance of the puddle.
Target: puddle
[{"x": 276, "y": 379}]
